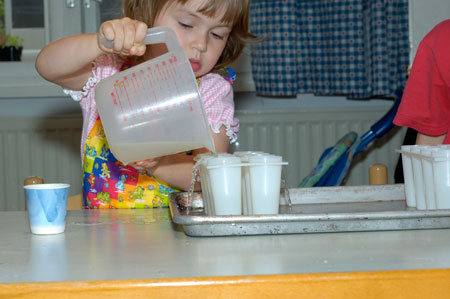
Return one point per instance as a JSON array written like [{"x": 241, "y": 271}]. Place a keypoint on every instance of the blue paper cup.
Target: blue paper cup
[{"x": 47, "y": 207}]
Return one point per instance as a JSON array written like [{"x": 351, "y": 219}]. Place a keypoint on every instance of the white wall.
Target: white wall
[{"x": 423, "y": 16}]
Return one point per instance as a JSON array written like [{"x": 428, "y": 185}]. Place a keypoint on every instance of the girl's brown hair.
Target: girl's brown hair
[{"x": 236, "y": 14}]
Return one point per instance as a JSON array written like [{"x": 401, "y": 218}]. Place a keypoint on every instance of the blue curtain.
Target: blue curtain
[{"x": 355, "y": 48}]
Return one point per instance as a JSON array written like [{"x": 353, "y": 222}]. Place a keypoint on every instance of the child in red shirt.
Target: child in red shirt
[{"x": 425, "y": 104}]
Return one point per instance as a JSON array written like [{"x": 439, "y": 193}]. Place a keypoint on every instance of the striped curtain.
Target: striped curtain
[{"x": 354, "y": 48}]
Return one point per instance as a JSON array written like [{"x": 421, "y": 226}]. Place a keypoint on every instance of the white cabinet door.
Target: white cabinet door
[
  {"x": 67, "y": 17},
  {"x": 64, "y": 18},
  {"x": 97, "y": 11}
]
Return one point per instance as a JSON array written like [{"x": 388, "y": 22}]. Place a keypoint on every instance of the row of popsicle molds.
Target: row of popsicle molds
[
  {"x": 243, "y": 183},
  {"x": 426, "y": 171}
]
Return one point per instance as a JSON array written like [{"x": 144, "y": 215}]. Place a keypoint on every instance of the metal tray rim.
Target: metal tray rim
[
  {"x": 393, "y": 215},
  {"x": 385, "y": 215}
]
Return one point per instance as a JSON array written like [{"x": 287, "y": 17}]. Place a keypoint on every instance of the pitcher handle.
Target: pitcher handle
[{"x": 155, "y": 35}]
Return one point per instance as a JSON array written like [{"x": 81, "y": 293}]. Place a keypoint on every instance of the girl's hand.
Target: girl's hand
[
  {"x": 126, "y": 35},
  {"x": 146, "y": 164}
]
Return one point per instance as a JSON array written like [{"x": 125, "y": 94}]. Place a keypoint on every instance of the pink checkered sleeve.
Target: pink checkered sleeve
[
  {"x": 217, "y": 95},
  {"x": 103, "y": 67}
]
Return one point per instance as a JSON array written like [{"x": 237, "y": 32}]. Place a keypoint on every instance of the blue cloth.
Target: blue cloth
[{"x": 356, "y": 48}]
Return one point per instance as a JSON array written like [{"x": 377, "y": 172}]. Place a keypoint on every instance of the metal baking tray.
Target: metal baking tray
[{"x": 314, "y": 210}]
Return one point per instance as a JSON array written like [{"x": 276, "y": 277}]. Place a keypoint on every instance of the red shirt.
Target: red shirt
[{"x": 425, "y": 104}]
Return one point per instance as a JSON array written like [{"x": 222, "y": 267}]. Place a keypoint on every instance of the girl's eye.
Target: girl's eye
[
  {"x": 184, "y": 25},
  {"x": 218, "y": 36}
]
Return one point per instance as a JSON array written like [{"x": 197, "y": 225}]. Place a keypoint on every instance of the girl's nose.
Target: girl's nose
[{"x": 200, "y": 41}]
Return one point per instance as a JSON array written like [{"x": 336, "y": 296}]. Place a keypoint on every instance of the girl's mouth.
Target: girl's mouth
[{"x": 195, "y": 64}]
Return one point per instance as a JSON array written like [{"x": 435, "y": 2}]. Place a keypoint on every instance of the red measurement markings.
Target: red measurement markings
[
  {"x": 159, "y": 75},
  {"x": 190, "y": 102},
  {"x": 118, "y": 91},
  {"x": 141, "y": 85},
  {"x": 135, "y": 84},
  {"x": 113, "y": 96},
  {"x": 158, "y": 79},
  {"x": 173, "y": 61},
  {"x": 154, "y": 75},
  {"x": 141, "y": 78},
  {"x": 127, "y": 83},
  {"x": 149, "y": 78},
  {"x": 134, "y": 81},
  {"x": 167, "y": 76},
  {"x": 164, "y": 64},
  {"x": 179, "y": 77},
  {"x": 172, "y": 70}
]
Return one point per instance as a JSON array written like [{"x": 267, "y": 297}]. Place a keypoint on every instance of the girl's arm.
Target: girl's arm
[
  {"x": 67, "y": 62},
  {"x": 429, "y": 140},
  {"x": 176, "y": 169}
]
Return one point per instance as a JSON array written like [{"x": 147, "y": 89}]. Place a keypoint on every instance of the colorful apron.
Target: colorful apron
[{"x": 108, "y": 183}]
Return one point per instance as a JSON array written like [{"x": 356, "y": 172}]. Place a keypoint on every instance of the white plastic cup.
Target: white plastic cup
[
  {"x": 224, "y": 172},
  {"x": 265, "y": 179},
  {"x": 408, "y": 176},
  {"x": 47, "y": 207},
  {"x": 205, "y": 182},
  {"x": 247, "y": 207},
  {"x": 418, "y": 177},
  {"x": 428, "y": 178},
  {"x": 441, "y": 174}
]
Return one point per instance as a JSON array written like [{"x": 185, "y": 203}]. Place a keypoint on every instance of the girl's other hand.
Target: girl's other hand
[
  {"x": 126, "y": 35},
  {"x": 145, "y": 164}
]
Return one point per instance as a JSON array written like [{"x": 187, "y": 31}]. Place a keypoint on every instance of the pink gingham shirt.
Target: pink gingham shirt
[{"x": 216, "y": 93}]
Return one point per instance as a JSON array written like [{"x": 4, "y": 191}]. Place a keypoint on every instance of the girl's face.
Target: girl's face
[{"x": 202, "y": 38}]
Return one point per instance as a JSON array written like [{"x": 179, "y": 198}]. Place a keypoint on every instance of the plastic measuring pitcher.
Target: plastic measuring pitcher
[{"x": 154, "y": 109}]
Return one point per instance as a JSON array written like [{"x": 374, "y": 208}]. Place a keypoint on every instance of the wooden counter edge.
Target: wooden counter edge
[{"x": 378, "y": 284}]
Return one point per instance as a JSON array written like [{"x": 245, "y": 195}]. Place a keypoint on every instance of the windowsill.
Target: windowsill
[{"x": 19, "y": 79}]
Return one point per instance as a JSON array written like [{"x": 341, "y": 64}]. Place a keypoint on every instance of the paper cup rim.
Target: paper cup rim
[{"x": 46, "y": 186}]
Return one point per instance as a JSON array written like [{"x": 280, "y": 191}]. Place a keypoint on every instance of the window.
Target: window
[
  {"x": 25, "y": 18},
  {"x": 39, "y": 22},
  {"x": 42, "y": 21},
  {"x": 28, "y": 13}
]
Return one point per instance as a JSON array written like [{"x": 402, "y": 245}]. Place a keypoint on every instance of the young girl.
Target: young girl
[{"x": 211, "y": 32}]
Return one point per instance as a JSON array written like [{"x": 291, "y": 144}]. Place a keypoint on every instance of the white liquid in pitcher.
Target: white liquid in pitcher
[{"x": 130, "y": 152}]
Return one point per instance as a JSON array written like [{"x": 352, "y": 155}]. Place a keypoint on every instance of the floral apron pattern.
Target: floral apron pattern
[{"x": 108, "y": 183}]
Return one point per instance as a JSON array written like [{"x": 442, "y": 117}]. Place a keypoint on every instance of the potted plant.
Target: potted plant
[{"x": 10, "y": 45}]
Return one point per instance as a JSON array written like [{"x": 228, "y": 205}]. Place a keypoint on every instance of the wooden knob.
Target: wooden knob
[
  {"x": 378, "y": 174},
  {"x": 32, "y": 180}
]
